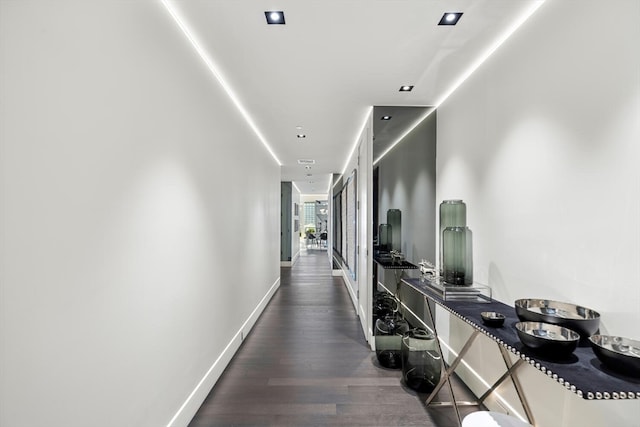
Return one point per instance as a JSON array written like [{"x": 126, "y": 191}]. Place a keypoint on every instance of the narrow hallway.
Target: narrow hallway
[{"x": 306, "y": 363}]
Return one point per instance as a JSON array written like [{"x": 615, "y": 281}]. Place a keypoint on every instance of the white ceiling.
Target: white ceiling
[{"x": 334, "y": 59}]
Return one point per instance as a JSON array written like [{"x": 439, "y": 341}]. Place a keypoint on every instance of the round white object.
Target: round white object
[{"x": 492, "y": 419}]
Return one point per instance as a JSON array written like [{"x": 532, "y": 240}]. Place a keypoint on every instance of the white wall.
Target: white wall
[
  {"x": 364, "y": 190},
  {"x": 363, "y": 228},
  {"x": 542, "y": 144},
  {"x": 125, "y": 228}
]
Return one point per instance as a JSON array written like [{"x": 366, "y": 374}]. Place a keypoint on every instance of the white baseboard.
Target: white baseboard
[
  {"x": 290, "y": 263},
  {"x": 185, "y": 414},
  {"x": 352, "y": 291},
  {"x": 347, "y": 284}
]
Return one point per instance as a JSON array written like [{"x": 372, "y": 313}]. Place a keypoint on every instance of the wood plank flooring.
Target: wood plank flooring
[{"x": 306, "y": 363}]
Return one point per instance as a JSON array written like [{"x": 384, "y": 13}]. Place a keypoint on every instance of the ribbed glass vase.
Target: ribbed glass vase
[
  {"x": 384, "y": 237},
  {"x": 457, "y": 256},
  {"x": 394, "y": 219},
  {"x": 453, "y": 213}
]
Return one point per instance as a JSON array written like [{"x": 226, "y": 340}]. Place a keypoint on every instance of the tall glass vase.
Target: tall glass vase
[
  {"x": 457, "y": 256},
  {"x": 394, "y": 219},
  {"x": 453, "y": 213},
  {"x": 384, "y": 237}
]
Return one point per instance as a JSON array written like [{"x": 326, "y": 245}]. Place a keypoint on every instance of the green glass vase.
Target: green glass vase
[
  {"x": 388, "y": 339},
  {"x": 384, "y": 237},
  {"x": 394, "y": 219},
  {"x": 453, "y": 213},
  {"x": 457, "y": 256},
  {"x": 421, "y": 361}
]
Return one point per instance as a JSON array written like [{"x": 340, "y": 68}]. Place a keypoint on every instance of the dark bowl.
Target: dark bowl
[
  {"x": 548, "y": 338},
  {"x": 618, "y": 353},
  {"x": 492, "y": 318},
  {"x": 583, "y": 320}
]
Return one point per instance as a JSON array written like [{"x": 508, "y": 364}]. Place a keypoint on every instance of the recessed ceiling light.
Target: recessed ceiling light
[
  {"x": 406, "y": 88},
  {"x": 450, "y": 18},
  {"x": 309, "y": 174},
  {"x": 299, "y": 127},
  {"x": 301, "y": 135},
  {"x": 385, "y": 118},
  {"x": 274, "y": 17}
]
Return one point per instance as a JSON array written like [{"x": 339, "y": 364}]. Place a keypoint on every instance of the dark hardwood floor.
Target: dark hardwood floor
[{"x": 306, "y": 363}]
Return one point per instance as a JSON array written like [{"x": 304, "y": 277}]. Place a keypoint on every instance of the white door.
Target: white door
[{"x": 365, "y": 232}]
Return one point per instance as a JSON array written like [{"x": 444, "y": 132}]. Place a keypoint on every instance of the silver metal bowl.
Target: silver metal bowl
[
  {"x": 492, "y": 318},
  {"x": 583, "y": 320},
  {"x": 548, "y": 338},
  {"x": 618, "y": 353}
]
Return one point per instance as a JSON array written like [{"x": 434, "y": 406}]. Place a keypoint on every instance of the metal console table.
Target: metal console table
[
  {"x": 398, "y": 267},
  {"x": 581, "y": 372}
]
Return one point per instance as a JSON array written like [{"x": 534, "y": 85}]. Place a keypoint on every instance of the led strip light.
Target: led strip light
[
  {"x": 216, "y": 73},
  {"x": 521, "y": 20}
]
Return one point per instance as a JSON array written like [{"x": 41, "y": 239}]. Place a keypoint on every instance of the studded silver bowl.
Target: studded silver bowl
[
  {"x": 492, "y": 318},
  {"x": 583, "y": 320},
  {"x": 618, "y": 353},
  {"x": 545, "y": 337}
]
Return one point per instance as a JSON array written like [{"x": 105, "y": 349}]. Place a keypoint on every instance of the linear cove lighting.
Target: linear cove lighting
[
  {"x": 406, "y": 132},
  {"x": 216, "y": 73},
  {"x": 357, "y": 140},
  {"x": 501, "y": 39},
  {"x": 516, "y": 24}
]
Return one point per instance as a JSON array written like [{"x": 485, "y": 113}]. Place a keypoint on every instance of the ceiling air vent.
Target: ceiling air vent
[{"x": 306, "y": 162}]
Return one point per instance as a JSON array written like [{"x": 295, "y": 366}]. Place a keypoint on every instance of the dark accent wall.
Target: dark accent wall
[
  {"x": 337, "y": 221},
  {"x": 285, "y": 220},
  {"x": 407, "y": 181}
]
